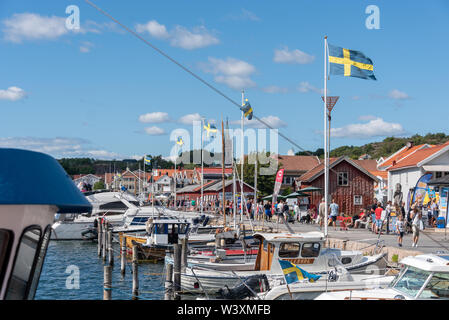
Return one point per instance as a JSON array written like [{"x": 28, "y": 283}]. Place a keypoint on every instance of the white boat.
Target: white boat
[
  {"x": 305, "y": 250},
  {"x": 422, "y": 277},
  {"x": 120, "y": 209},
  {"x": 341, "y": 279},
  {"x": 26, "y": 215}
]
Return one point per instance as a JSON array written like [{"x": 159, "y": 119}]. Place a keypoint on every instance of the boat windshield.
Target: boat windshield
[
  {"x": 410, "y": 281},
  {"x": 437, "y": 287}
]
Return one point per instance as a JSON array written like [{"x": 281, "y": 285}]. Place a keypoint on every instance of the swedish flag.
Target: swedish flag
[
  {"x": 147, "y": 160},
  {"x": 247, "y": 110},
  {"x": 179, "y": 141},
  {"x": 210, "y": 128},
  {"x": 350, "y": 63},
  {"x": 293, "y": 273}
]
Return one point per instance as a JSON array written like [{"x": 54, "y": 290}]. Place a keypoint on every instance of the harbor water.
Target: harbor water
[{"x": 73, "y": 271}]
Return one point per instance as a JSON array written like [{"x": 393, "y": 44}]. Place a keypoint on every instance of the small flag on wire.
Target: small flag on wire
[
  {"x": 210, "y": 128},
  {"x": 247, "y": 110}
]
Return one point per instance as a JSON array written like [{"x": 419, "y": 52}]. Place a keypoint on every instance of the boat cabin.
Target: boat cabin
[
  {"x": 166, "y": 231},
  {"x": 423, "y": 277},
  {"x": 33, "y": 188},
  {"x": 300, "y": 249}
]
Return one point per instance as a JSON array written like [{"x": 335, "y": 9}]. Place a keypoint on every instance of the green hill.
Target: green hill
[{"x": 384, "y": 148}]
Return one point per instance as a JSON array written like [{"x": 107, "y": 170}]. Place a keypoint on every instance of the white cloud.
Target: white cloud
[
  {"x": 86, "y": 46},
  {"x": 373, "y": 128},
  {"x": 179, "y": 36},
  {"x": 30, "y": 26},
  {"x": 243, "y": 16},
  {"x": 12, "y": 94},
  {"x": 305, "y": 87},
  {"x": 59, "y": 147},
  {"x": 154, "y": 131},
  {"x": 232, "y": 72},
  {"x": 154, "y": 117},
  {"x": 199, "y": 37},
  {"x": 274, "y": 89},
  {"x": 189, "y": 118},
  {"x": 290, "y": 152},
  {"x": 153, "y": 28},
  {"x": 295, "y": 56},
  {"x": 398, "y": 95},
  {"x": 272, "y": 121}
]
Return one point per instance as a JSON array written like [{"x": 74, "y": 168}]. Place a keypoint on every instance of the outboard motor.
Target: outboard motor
[
  {"x": 33, "y": 188},
  {"x": 257, "y": 283}
]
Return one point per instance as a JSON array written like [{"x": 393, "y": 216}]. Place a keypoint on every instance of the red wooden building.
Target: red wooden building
[{"x": 350, "y": 185}]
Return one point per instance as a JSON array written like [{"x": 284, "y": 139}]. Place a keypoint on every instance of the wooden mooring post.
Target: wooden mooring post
[
  {"x": 184, "y": 253},
  {"x": 123, "y": 255},
  {"x": 176, "y": 271},
  {"x": 135, "y": 289},
  {"x": 99, "y": 235},
  {"x": 107, "y": 283},
  {"x": 103, "y": 241},
  {"x": 110, "y": 249},
  {"x": 168, "y": 282}
]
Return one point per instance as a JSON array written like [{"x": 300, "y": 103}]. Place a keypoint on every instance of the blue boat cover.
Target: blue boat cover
[{"x": 28, "y": 177}]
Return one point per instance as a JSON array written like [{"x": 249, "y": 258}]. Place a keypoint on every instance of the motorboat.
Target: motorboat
[
  {"x": 162, "y": 233},
  {"x": 107, "y": 205},
  {"x": 304, "y": 249},
  {"x": 422, "y": 277},
  {"x": 26, "y": 215}
]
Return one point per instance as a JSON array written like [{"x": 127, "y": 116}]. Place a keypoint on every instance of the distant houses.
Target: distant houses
[{"x": 354, "y": 184}]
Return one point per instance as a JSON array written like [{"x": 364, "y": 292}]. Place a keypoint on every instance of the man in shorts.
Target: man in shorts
[
  {"x": 378, "y": 216},
  {"x": 417, "y": 220},
  {"x": 334, "y": 213}
]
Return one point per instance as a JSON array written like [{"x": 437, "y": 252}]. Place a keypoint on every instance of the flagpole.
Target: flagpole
[
  {"x": 202, "y": 168},
  {"x": 144, "y": 175},
  {"x": 326, "y": 165},
  {"x": 242, "y": 148},
  {"x": 176, "y": 158}
]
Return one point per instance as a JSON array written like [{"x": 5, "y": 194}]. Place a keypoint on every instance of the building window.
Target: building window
[
  {"x": 342, "y": 179},
  {"x": 358, "y": 200},
  {"x": 287, "y": 180},
  {"x": 438, "y": 174}
]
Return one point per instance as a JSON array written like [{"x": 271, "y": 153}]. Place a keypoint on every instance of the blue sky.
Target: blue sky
[{"x": 102, "y": 93}]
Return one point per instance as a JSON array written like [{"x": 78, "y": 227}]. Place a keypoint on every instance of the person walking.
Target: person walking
[
  {"x": 435, "y": 211},
  {"x": 388, "y": 210},
  {"x": 321, "y": 212},
  {"x": 296, "y": 211},
  {"x": 333, "y": 208},
  {"x": 416, "y": 224},
  {"x": 373, "y": 217},
  {"x": 378, "y": 216},
  {"x": 267, "y": 207},
  {"x": 400, "y": 227}
]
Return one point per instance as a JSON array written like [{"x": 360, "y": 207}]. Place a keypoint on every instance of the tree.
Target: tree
[
  {"x": 99, "y": 185},
  {"x": 265, "y": 183}
]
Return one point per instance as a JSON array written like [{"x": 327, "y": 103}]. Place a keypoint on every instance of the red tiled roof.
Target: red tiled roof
[
  {"x": 309, "y": 174},
  {"x": 368, "y": 165},
  {"x": 418, "y": 156},
  {"x": 298, "y": 163},
  {"x": 382, "y": 174},
  {"x": 401, "y": 155}
]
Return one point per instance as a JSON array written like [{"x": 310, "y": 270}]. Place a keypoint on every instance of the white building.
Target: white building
[{"x": 414, "y": 163}]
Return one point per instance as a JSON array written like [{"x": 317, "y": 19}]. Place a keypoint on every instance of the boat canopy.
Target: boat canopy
[
  {"x": 34, "y": 178},
  {"x": 428, "y": 262},
  {"x": 290, "y": 237}
]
